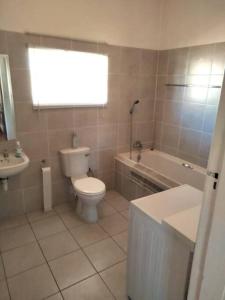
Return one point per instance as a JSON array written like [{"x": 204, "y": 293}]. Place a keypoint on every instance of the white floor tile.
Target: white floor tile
[
  {"x": 39, "y": 215},
  {"x": 114, "y": 224},
  {"x": 104, "y": 254},
  {"x": 48, "y": 227},
  {"x": 4, "y": 293},
  {"x": 115, "y": 278},
  {"x": 58, "y": 245},
  {"x": 71, "y": 268},
  {"x": 71, "y": 220},
  {"x": 34, "y": 284},
  {"x": 16, "y": 237},
  {"x": 55, "y": 297},
  {"x": 122, "y": 240},
  {"x": 12, "y": 222},
  {"x": 2, "y": 273},
  {"x": 22, "y": 258},
  {"x": 88, "y": 234},
  {"x": 92, "y": 288}
]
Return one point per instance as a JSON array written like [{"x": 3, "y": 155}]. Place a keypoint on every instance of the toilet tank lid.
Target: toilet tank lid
[{"x": 75, "y": 150}]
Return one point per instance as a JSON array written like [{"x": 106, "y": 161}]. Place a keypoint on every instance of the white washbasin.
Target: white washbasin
[{"x": 12, "y": 165}]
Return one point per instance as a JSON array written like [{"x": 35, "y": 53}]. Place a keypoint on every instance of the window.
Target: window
[{"x": 68, "y": 78}]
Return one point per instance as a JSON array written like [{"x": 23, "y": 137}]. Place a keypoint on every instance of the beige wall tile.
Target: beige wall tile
[
  {"x": 11, "y": 203},
  {"x": 21, "y": 85},
  {"x": 55, "y": 42},
  {"x": 106, "y": 160},
  {"x": 60, "y": 119},
  {"x": 194, "y": 113},
  {"x": 192, "y": 116},
  {"x": 32, "y": 176},
  {"x": 218, "y": 62},
  {"x": 84, "y": 46},
  {"x": 200, "y": 60},
  {"x": 29, "y": 120},
  {"x": 131, "y": 76},
  {"x": 58, "y": 140},
  {"x": 148, "y": 63},
  {"x": 172, "y": 112},
  {"x": 130, "y": 62},
  {"x": 34, "y": 144},
  {"x": 107, "y": 136},
  {"x": 178, "y": 61},
  {"x": 189, "y": 141},
  {"x": 33, "y": 198},
  {"x": 61, "y": 191},
  {"x": 170, "y": 136},
  {"x": 88, "y": 136},
  {"x": 17, "y": 49},
  {"x": 114, "y": 54},
  {"x": 86, "y": 117},
  {"x": 205, "y": 144},
  {"x": 3, "y": 41},
  {"x": 163, "y": 62}
]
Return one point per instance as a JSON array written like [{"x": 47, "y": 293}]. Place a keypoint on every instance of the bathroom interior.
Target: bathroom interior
[{"x": 108, "y": 135}]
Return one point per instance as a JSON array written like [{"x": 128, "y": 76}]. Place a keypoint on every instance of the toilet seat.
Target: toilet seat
[{"x": 89, "y": 186}]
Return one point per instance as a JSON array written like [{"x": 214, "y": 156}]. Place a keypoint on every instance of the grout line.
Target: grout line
[
  {"x": 46, "y": 260},
  {"x": 5, "y": 277},
  {"x": 97, "y": 272},
  {"x": 24, "y": 271},
  {"x": 81, "y": 249}
]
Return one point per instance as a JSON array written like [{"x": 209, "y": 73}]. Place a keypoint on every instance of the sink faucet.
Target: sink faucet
[
  {"x": 138, "y": 146},
  {"x": 5, "y": 153}
]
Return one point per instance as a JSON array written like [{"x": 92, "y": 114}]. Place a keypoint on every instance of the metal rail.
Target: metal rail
[{"x": 194, "y": 85}]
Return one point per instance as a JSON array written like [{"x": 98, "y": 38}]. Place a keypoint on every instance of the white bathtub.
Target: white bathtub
[{"x": 167, "y": 170}]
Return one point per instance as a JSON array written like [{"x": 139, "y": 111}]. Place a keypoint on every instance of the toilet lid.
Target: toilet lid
[{"x": 89, "y": 185}]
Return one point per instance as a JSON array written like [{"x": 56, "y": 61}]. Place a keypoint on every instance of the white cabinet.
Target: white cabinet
[{"x": 159, "y": 259}]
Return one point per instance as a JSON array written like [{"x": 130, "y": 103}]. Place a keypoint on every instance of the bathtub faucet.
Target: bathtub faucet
[{"x": 138, "y": 146}]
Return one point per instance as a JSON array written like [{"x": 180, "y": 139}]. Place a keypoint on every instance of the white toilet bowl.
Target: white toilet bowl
[{"x": 90, "y": 191}]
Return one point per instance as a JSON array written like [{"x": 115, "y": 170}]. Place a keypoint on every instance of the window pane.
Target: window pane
[{"x": 61, "y": 77}]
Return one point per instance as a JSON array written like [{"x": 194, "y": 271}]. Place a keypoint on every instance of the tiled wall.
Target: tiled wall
[
  {"x": 132, "y": 74},
  {"x": 185, "y": 116}
]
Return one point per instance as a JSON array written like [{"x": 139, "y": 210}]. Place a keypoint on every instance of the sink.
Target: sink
[{"x": 12, "y": 165}]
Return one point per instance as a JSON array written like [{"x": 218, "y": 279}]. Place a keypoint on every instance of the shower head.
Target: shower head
[{"x": 133, "y": 105}]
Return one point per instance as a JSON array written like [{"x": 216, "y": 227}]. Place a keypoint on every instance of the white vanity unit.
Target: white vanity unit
[{"x": 162, "y": 235}]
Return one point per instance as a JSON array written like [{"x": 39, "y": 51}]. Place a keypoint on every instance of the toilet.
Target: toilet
[{"x": 89, "y": 190}]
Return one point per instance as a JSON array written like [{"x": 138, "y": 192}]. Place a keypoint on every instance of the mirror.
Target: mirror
[{"x": 7, "y": 114}]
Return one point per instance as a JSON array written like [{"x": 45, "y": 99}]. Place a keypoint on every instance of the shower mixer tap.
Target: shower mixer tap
[{"x": 138, "y": 146}]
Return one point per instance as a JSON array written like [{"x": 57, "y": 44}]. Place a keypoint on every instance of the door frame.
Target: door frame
[{"x": 210, "y": 197}]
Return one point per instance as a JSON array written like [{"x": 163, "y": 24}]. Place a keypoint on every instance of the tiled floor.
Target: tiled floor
[{"x": 57, "y": 256}]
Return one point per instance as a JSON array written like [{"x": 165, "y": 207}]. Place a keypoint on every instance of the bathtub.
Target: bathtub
[{"x": 160, "y": 170}]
